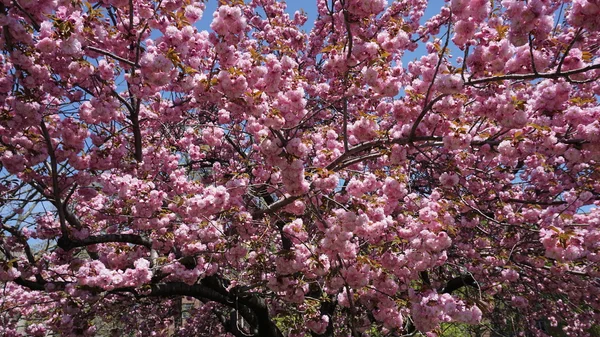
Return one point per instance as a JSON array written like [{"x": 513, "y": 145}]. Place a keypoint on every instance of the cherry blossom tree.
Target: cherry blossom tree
[{"x": 298, "y": 183}]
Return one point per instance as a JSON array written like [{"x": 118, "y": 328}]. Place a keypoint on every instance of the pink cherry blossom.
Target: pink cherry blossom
[{"x": 367, "y": 167}]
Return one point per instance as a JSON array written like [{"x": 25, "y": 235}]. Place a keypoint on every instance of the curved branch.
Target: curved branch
[
  {"x": 67, "y": 244},
  {"x": 459, "y": 282},
  {"x": 182, "y": 289},
  {"x": 569, "y": 47},
  {"x": 252, "y": 307},
  {"x": 55, "y": 186},
  {"x": 30, "y": 284},
  {"x": 533, "y": 76},
  {"x": 426, "y": 109},
  {"x": 274, "y": 207}
]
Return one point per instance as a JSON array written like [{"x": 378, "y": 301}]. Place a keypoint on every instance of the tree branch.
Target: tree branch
[
  {"x": 111, "y": 55},
  {"x": 67, "y": 244},
  {"x": 533, "y": 76},
  {"x": 274, "y": 207},
  {"x": 54, "y": 176},
  {"x": 459, "y": 282},
  {"x": 35, "y": 25},
  {"x": 428, "y": 105}
]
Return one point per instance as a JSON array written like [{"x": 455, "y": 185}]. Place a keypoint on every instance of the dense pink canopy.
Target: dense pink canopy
[{"x": 292, "y": 183}]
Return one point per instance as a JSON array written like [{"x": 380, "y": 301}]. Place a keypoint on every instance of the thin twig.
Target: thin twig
[
  {"x": 109, "y": 54},
  {"x": 428, "y": 105},
  {"x": 562, "y": 59},
  {"x": 54, "y": 173}
]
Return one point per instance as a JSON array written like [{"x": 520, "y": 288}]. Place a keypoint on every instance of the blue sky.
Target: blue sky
[{"x": 310, "y": 8}]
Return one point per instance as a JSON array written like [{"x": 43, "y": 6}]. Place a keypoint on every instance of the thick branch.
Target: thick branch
[
  {"x": 30, "y": 284},
  {"x": 68, "y": 244},
  {"x": 137, "y": 134},
  {"x": 274, "y": 207},
  {"x": 459, "y": 282},
  {"x": 183, "y": 289},
  {"x": 252, "y": 307},
  {"x": 266, "y": 327}
]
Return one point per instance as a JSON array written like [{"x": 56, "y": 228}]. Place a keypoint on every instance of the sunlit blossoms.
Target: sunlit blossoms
[{"x": 236, "y": 168}]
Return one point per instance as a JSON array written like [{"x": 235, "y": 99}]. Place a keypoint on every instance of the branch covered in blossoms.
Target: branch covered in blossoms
[{"x": 299, "y": 174}]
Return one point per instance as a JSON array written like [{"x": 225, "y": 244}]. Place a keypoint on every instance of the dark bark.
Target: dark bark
[
  {"x": 67, "y": 243},
  {"x": 327, "y": 308},
  {"x": 286, "y": 242},
  {"x": 266, "y": 327},
  {"x": 216, "y": 283},
  {"x": 30, "y": 284},
  {"x": 234, "y": 324},
  {"x": 251, "y": 307},
  {"x": 137, "y": 135},
  {"x": 425, "y": 277},
  {"x": 459, "y": 282}
]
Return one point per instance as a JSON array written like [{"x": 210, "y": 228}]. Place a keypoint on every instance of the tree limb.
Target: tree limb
[{"x": 459, "y": 282}]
